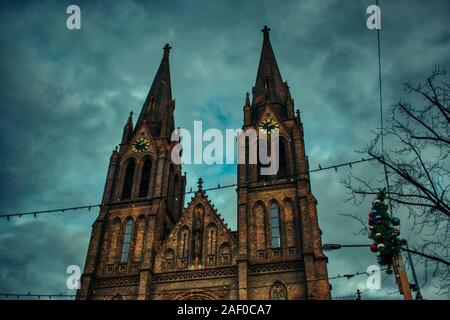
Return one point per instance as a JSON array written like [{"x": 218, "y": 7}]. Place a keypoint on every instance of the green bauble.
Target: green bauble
[{"x": 395, "y": 221}]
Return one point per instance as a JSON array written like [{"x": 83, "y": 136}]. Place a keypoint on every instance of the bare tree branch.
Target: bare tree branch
[{"x": 417, "y": 166}]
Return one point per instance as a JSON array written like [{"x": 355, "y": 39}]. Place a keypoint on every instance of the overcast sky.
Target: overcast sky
[{"x": 65, "y": 96}]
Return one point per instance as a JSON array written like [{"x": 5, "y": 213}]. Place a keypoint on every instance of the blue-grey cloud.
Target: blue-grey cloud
[{"x": 65, "y": 96}]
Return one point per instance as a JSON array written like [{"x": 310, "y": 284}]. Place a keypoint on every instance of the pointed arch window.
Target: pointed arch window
[
  {"x": 283, "y": 162},
  {"x": 145, "y": 178},
  {"x": 267, "y": 84},
  {"x": 275, "y": 225},
  {"x": 114, "y": 235},
  {"x": 128, "y": 180},
  {"x": 211, "y": 244},
  {"x": 289, "y": 235},
  {"x": 183, "y": 243},
  {"x": 126, "y": 242},
  {"x": 260, "y": 227},
  {"x": 152, "y": 103}
]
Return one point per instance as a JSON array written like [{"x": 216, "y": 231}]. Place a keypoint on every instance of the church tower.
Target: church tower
[
  {"x": 142, "y": 199},
  {"x": 279, "y": 236}
]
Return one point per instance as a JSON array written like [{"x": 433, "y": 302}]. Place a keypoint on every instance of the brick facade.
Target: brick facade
[{"x": 144, "y": 245}]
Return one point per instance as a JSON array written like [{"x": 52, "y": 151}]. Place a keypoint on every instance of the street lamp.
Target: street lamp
[{"x": 335, "y": 246}]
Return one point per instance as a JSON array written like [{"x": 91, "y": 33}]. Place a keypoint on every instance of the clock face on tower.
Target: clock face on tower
[
  {"x": 140, "y": 145},
  {"x": 267, "y": 125}
]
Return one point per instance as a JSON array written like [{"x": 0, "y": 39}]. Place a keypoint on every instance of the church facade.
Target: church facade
[{"x": 146, "y": 245}]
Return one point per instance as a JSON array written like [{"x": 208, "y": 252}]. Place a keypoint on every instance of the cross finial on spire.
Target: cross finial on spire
[
  {"x": 200, "y": 183},
  {"x": 166, "y": 49},
  {"x": 265, "y": 30},
  {"x": 129, "y": 122}
]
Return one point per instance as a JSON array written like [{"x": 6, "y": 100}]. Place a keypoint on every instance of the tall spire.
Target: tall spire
[
  {"x": 269, "y": 84},
  {"x": 159, "y": 98}
]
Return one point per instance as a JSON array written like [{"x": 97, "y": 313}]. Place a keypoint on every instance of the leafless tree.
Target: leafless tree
[{"x": 417, "y": 167}]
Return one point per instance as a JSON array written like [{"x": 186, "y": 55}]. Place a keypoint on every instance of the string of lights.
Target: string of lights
[
  {"x": 62, "y": 296},
  {"x": 382, "y": 280},
  {"x": 293, "y": 178}
]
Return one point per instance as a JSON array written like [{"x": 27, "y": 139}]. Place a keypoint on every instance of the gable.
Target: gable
[
  {"x": 200, "y": 239},
  {"x": 140, "y": 133},
  {"x": 269, "y": 113}
]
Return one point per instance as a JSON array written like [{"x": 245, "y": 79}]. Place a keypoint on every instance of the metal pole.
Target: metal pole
[{"x": 354, "y": 245}]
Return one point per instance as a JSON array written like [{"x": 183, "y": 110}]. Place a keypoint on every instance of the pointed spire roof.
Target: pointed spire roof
[
  {"x": 159, "y": 98},
  {"x": 269, "y": 85},
  {"x": 128, "y": 129}
]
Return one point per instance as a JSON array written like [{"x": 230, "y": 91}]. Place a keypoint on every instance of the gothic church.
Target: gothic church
[{"x": 146, "y": 245}]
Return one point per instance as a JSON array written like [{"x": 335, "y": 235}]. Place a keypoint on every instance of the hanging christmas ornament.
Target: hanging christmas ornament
[
  {"x": 396, "y": 221},
  {"x": 383, "y": 232},
  {"x": 376, "y": 202}
]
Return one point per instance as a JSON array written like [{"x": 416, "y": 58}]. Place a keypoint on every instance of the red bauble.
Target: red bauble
[{"x": 373, "y": 247}]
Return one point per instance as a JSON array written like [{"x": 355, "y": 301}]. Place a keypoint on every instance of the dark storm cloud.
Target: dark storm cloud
[
  {"x": 65, "y": 96},
  {"x": 36, "y": 261}
]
